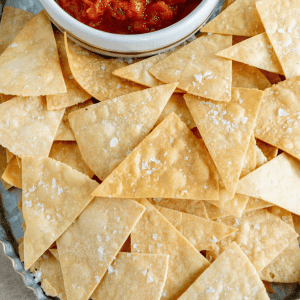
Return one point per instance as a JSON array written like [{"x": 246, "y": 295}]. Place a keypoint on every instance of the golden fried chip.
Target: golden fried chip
[
  {"x": 269, "y": 151},
  {"x": 117, "y": 126},
  {"x": 296, "y": 221},
  {"x": 173, "y": 216},
  {"x": 13, "y": 174},
  {"x": 75, "y": 93},
  {"x": 244, "y": 76},
  {"x": 272, "y": 77},
  {"x": 226, "y": 129},
  {"x": 280, "y": 18},
  {"x": 240, "y": 18},
  {"x": 155, "y": 235},
  {"x": 53, "y": 196},
  {"x": 192, "y": 207},
  {"x": 256, "y": 230},
  {"x": 231, "y": 276},
  {"x": 134, "y": 277},
  {"x": 215, "y": 212},
  {"x": 54, "y": 252},
  {"x": 9, "y": 155},
  {"x": 3, "y": 166},
  {"x": 30, "y": 66},
  {"x": 255, "y": 204},
  {"x": 47, "y": 270},
  {"x": 27, "y": 127},
  {"x": 260, "y": 158},
  {"x": 87, "y": 248},
  {"x": 169, "y": 163},
  {"x": 94, "y": 73},
  {"x": 197, "y": 69},
  {"x": 256, "y": 51},
  {"x": 286, "y": 266},
  {"x": 21, "y": 248},
  {"x": 277, "y": 182}
]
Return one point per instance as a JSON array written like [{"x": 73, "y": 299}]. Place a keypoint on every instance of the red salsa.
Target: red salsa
[{"x": 128, "y": 16}]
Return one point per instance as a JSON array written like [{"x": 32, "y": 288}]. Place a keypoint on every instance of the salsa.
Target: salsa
[{"x": 128, "y": 16}]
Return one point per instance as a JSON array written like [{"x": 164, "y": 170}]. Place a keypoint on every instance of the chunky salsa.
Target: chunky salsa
[{"x": 128, "y": 16}]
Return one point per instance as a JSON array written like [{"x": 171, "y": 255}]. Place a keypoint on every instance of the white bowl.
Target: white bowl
[{"x": 131, "y": 45}]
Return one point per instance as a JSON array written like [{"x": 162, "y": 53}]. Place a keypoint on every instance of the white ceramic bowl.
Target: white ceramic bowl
[{"x": 133, "y": 45}]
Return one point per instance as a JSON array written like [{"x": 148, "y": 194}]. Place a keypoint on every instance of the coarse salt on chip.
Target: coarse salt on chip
[
  {"x": 280, "y": 19},
  {"x": 169, "y": 163},
  {"x": 30, "y": 65},
  {"x": 134, "y": 277},
  {"x": 75, "y": 93},
  {"x": 53, "y": 196},
  {"x": 155, "y": 235},
  {"x": 278, "y": 121},
  {"x": 94, "y": 73},
  {"x": 240, "y": 18},
  {"x": 277, "y": 182},
  {"x": 88, "y": 247},
  {"x": 197, "y": 69},
  {"x": 256, "y": 51},
  {"x": 231, "y": 276},
  {"x": 27, "y": 127},
  {"x": 108, "y": 131}
]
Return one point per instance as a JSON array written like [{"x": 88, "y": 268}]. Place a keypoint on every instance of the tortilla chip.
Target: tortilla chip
[
  {"x": 269, "y": 151},
  {"x": 64, "y": 131},
  {"x": 69, "y": 154},
  {"x": 12, "y": 22},
  {"x": 240, "y": 18},
  {"x": 117, "y": 126},
  {"x": 75, "y": 93},
  {"x": 191, "y": 207},
  {"x": 30, "y": 65},
  {"x": 268, "y": 287},
  {"x": 256, "y": 51},
  {"x": 197, "y": 69},
  {"x": 87, "y": 248},
  {"x": 47, "y": 270},
  {"x": 27, "y": 127},
  {"x": 272, "y": 77},
  {"x": 163, "y": 165},
  {"x": 278, "y": 119},
  {"x": 134, "y": 277},
  {"x": 260, "y": 158},
  {"x": 9, "y": 155},
  {"x": 215, "y": 212},
  {"x": 54, "y": 252},
  {"x": 3, "y": 166},
  {"x": 255, "y": 204},
  {"x": 231, "y": 276},
  {"x": 245, "y": 76},
  {"x": 155, "y": 235},
  {"x": 277, "y": 182},
  {"x": 13, "y": 174},
  {"x": 177, "y": 104},
  {"x": 257, "y": 230},
  {"x": 53, "y": 196},
  {"x": 21, "y": 248},
  {"x": 226, "y": 129},
  {"x": 296, "y": 221},
  {"x": 279, "y": 18},
  {"x": 286, "y": 266},
  {"x": 94, "y": 73},
  {"x": 173, "y": 216}
]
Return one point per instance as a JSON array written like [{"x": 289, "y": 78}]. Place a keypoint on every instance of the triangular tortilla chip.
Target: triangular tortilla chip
[
  {"x": 286, "y": 266},
  {"x": 13, "y": 173},
  {"x": 3, "y": 166},
  {"x": 254, "y": 204},
  {"x": 240, "y": 18},
  {"x": 279, "y": 18},
  {"x": 12, "y": 22},
  {"x": 9, "y": 155},
  {"x": 231, "y": 276},
  {"x": 47, "y": 269},
  {"x": 277, "y": 182},
  {"x": 54, "y": 195},
  {"x": 215, "y": 212},
  {"x": 117, "y": 126},
  {"x": 169, "y": 163},
  {"x": 54, "y": 252},
  {"x": 30, "y": 65},
  {"x": 154, "y": 234},
  {"x": 75, "y": 93},
  {"x": 134, "y": 277},
  {"x": 260, "y": 158},
  {"x": 191, "y": 207},
  {"x": 94, "y": 73},
  {"x": 197, "y": 69},
  {"x": 89, "y": 245},
  {"x": 27, "y": 127},
  {"x": 256, "y": 230},
  {"x": 269, "y": 151},
  {"x": 64, "y": 131},
  {"x": 256, "y": 51},
  {"x": 244, "y": 76},
  {"x": 226, "y": 129},
  {"x": 278, "y": 118},
  {"x": 173, "y": 216}
]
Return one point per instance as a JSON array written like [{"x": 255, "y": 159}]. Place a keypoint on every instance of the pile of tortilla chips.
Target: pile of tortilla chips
[{"x": 171, "y": 177}]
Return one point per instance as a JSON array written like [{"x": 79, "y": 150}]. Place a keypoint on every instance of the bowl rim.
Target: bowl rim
[{"x": 191, "y": 18}]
